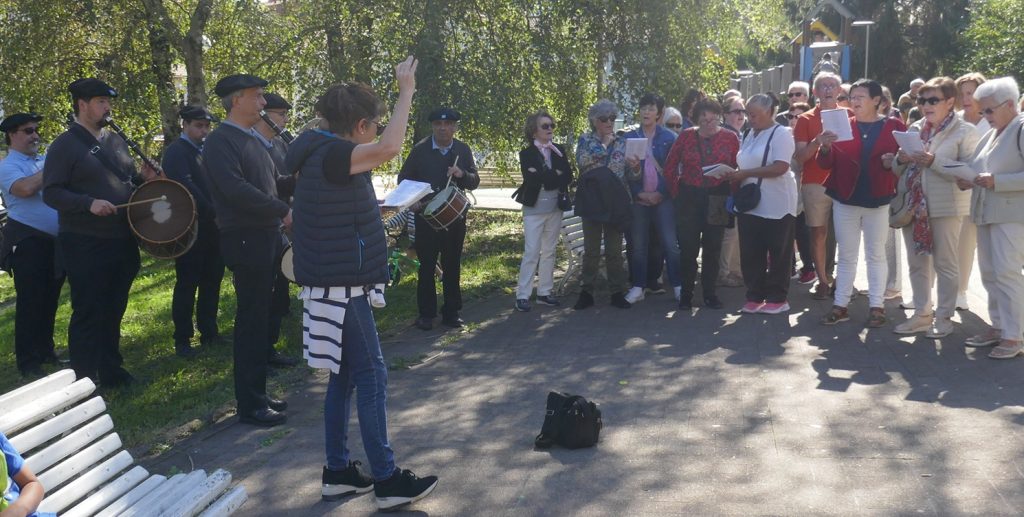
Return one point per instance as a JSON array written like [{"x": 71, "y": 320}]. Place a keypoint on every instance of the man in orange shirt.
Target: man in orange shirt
[{"x": 817, "y": 205}]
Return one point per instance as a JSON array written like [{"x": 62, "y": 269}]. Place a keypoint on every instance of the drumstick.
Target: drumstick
[
  {"x": 456, "y": 164},
  {"x": 141, "y": 201}
]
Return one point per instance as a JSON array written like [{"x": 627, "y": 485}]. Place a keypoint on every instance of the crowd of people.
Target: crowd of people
[{"x": 748, "y": 187}]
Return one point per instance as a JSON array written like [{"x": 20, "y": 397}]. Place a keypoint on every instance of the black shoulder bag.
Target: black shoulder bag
[
  {"x": 716, "y": 211},
  {"x": 749, "y": 196},
  {"x": 570, "y": 421}
]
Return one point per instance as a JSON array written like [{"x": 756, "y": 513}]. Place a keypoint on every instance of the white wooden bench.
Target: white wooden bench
[
  {"x": 68, "y": 441},
  {"x": 572, "y": 239}
]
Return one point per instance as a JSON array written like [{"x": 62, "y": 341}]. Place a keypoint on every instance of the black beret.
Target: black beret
[
  {"x": 233, "y": 83},
  {"x": 90, "y": 87},
  {"x": 276, "y": 102},
  {"x": 194, "y": 113},
  {"x": 17, "y": 120},
  {"x": 444, "y": 114}
]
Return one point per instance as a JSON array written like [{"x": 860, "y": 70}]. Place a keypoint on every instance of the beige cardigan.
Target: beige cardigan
[
  {"x": 953, "y": 147},
  {"x": 1000, "y": 156}
]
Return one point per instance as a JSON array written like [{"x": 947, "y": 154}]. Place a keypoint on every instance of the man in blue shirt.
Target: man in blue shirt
[
  {"x": 29, "y": 244},
  {"x": 201, "y": 268}
]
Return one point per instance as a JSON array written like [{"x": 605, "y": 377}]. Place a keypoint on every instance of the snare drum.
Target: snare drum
[
  {"x": 162, "y": 214},
  {"x": 447, "y": 207}
]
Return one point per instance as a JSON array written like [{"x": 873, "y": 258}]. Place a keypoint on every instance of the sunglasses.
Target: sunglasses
[
  {"x": 795, "y": 94},
  {"x": 546, "y": 127},
  {"x": 989, "y": 111},
  {"x": 737, "y": 112},
  {"x": 29, "y": 130},
  {"x": 380, "y": 127},
  {"x": 931, "y": 101},
  {"x": 609, "y": 118},
  {"x": 674, "y": 126},
  {"x": 842, "y": 98},
  {"x": 791, "y": 116}
]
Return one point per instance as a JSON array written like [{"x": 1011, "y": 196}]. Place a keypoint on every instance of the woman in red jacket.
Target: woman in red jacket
[{"x": 861, "y": 185}]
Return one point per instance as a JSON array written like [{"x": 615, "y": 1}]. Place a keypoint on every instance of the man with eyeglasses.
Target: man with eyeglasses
[
  {"x": 798, "y": 91},
  {"x": 817, "y": 204},
  {"x": 29, "y": 244},
  {"x": 439, "y": 160},
  {"x": 243, "y": 187}
]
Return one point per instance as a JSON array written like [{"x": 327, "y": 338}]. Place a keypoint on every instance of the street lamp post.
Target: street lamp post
[{"x": 867, "y": 40}]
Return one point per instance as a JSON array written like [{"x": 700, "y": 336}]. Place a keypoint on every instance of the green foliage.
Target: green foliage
[{"x": 994, "y": 42}]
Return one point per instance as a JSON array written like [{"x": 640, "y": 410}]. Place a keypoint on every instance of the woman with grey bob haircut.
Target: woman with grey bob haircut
[{"x": 997, "y": 208}]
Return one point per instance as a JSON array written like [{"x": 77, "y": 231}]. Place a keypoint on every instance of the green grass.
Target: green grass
[{"x": 176, "y": 397}]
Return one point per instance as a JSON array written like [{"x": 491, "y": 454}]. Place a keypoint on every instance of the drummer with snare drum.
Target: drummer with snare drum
[
  {"x": 434, "y": 160},
  {"x": 88, "y": 171}
]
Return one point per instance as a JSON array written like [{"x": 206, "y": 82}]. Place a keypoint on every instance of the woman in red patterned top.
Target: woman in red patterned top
[{"x": 701, "y": 217}]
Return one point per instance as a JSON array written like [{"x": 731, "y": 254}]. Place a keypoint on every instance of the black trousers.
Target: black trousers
[
  {"x": 431, "y": 243},
  {"x": 766, "y": 255},
  {"x": 100, "y": 273},
  {"x": 251, "y": 254},
  {"x": 200, "y": 269},
  {"x": 280, "y": 301},
  {"x": 37, "y": 284},
  {"x": 694, "y": 235},
  {"x": 803, "y": 244}
]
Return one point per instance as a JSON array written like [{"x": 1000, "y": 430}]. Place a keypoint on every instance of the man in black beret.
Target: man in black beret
[
  {"x": 276, "y": 110},
  {"x": 201, "y": 267},
  {"x": 31, "y": 231},
  {"x": 88, "y": 172},
  {"x": 242, "y": 181},
  {"x": 433, "y": 161}
]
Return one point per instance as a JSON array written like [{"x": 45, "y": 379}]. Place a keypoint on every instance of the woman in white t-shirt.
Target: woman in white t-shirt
[{"x": 766, "y": 231}]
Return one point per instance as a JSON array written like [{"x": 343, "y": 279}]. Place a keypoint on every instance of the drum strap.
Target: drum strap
[{"x": 94, "y": 149}]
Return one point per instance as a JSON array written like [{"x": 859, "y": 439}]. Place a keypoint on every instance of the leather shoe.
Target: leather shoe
[
  {"x": 276, "y": 404},
  {"x": 32, "y": 372},
  {"x": 53, "y": 358},
  {"x": 217, "y": 340},
  {"x": 185, "y": 350},
  {"x": 263, "y": 417},
  {"x": 279, "y": 360},
  {"x": 712, "y": 302},
  {"x": 454, "y": 323},
  {"x": 424, "y": 323},
  {"x": 120, "y": 379}
]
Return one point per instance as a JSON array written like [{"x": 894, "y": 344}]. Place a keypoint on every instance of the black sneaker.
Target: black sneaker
[
  {"x": 619, "y": 300},
  {"x": 343, "y": 483},
  {"x": 585, "y": 300},
  {"x": 548, "y": 299},
  {"x": 403, "y": 488}
]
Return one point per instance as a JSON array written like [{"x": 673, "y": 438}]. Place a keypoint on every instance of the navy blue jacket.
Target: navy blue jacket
[{"x": 182, "y": 162}]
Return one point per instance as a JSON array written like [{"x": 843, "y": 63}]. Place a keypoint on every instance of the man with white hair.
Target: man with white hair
[
  {"x": 909, "y": 99},
  {"x": 798, "y": 91}
]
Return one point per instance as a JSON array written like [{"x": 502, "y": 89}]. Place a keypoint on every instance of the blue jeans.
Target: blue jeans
[
  {"x": 663, "y": 215},
  {"x": 362, "y": 369}
]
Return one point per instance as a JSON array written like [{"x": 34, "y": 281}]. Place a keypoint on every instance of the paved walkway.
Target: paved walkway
[{"x": 707, "y": 413}]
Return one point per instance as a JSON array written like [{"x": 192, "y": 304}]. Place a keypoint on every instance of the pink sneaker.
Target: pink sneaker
[
  {"x": 774, "y": 308},
  {"x": 752, "y": 307},
  {"x": 807, "y": 277}
]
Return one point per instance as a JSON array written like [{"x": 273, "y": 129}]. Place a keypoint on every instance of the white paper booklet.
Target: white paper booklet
[
  {"x": 960, "y": 170},
  {"x": 717, "y": 171},
  {"x": 909, "y": 141},
  {"x": 838, "y": 122},
  {"x": 636, "y": 148},
  {"x": 407, "y": 193}
]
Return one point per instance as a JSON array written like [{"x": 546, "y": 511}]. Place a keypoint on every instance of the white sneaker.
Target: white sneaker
[
  {"x": 635, "y": 294},
  {"x": 961, "y": 302},
  {"x": 891, "y": 294},
  {"x": 914, "y": 325},
  {"x": 679, "y": 292},
  {"x": 941, "y": 328}
]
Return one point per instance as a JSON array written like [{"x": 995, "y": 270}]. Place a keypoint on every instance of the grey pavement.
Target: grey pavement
[{"x": 705, "y": 413}]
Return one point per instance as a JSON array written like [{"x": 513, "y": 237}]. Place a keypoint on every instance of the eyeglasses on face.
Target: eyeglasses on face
[
  {"x": 546, "y": 126},
  {"x": 842, "y": 98},
  {"x": 989, "y": 111},
  {"x": 673, "y": 125},
  {"x": 607, "y": 119},
  {"x": 790, "y": 116},
  {"x": 921, "y": 101},
  {"x": 795, "y": 94},
  {"x": 31, "y": 130}
]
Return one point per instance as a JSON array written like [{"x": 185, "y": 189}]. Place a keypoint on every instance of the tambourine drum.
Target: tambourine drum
[
  {"x": 288, "y": 263},
  {"x": 447, "y": 207},
  {"x": 162, "y": 214}
]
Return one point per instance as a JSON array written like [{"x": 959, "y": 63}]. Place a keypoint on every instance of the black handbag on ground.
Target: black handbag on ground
[
  {"x": 570, "y": 421},
  {"x": 749, "y": 196}
]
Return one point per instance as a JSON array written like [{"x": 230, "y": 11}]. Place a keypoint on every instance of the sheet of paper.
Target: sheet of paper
[
  {"x": 407, "y": 193},
  {"x": 636, "y": 148},
  {"x": 838, "y": 122},
  {"x": 717, "y": 171},
  {"x": 909, "y": 141},
  {"x": 960, "y": 170}
]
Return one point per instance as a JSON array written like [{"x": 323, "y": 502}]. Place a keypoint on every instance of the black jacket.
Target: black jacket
[
  {"x": 182, "y": 162},
  {"x": 602, "y": 197},
  {"x": 242, "y": 179},
  {"x": 428, "y": 165},
  {"x": 537, "y": 175}
]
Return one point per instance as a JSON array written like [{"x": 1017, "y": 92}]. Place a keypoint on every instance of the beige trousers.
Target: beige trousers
[
  {"x": 1000, "y": 255},
  {"x": 942, "y": 265}
]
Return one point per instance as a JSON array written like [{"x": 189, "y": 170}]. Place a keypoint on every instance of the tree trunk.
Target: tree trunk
[
  {"x": 192, "y": 51},
  {"x": 161, "y": 66},
  {"x": 430, "y": 52}
]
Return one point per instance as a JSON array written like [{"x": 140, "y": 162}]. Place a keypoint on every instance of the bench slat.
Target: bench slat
[
  {"x": 108, "y": 494},
  {"x": 194, "y": 500},
  {"x": 86, "y": 483},
  {"x": 70, "y": 444},
  {"x": 44, "y": 406},
  {"x": 29, "y": 393},
  {"x": 133, "y": 496},
  {"x": 81, "y": 462},
  {"x": 44, "y": 432},
  {"x": 147, "y": 505},
  {"x": 171, "y": 498},
  {"x": 227, "y": 504}
]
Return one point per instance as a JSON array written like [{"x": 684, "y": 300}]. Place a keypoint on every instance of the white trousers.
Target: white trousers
[
  {"x": 729, "y": 260},
  {"x": 943, "y": 264},
  {"x": 968, "y": 243},
  {"x": 850, "y": 223},
  {"x": 540, "y": 234},
  {"x": 1000, "y": 257},
  {"x": 894, "y": 280}
]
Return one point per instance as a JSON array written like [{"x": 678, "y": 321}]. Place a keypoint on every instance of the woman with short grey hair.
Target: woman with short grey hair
[{"x": 997, "y": 208}]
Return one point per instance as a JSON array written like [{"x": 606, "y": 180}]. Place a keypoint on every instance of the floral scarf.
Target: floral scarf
[{"x": 922, "y": 228}]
